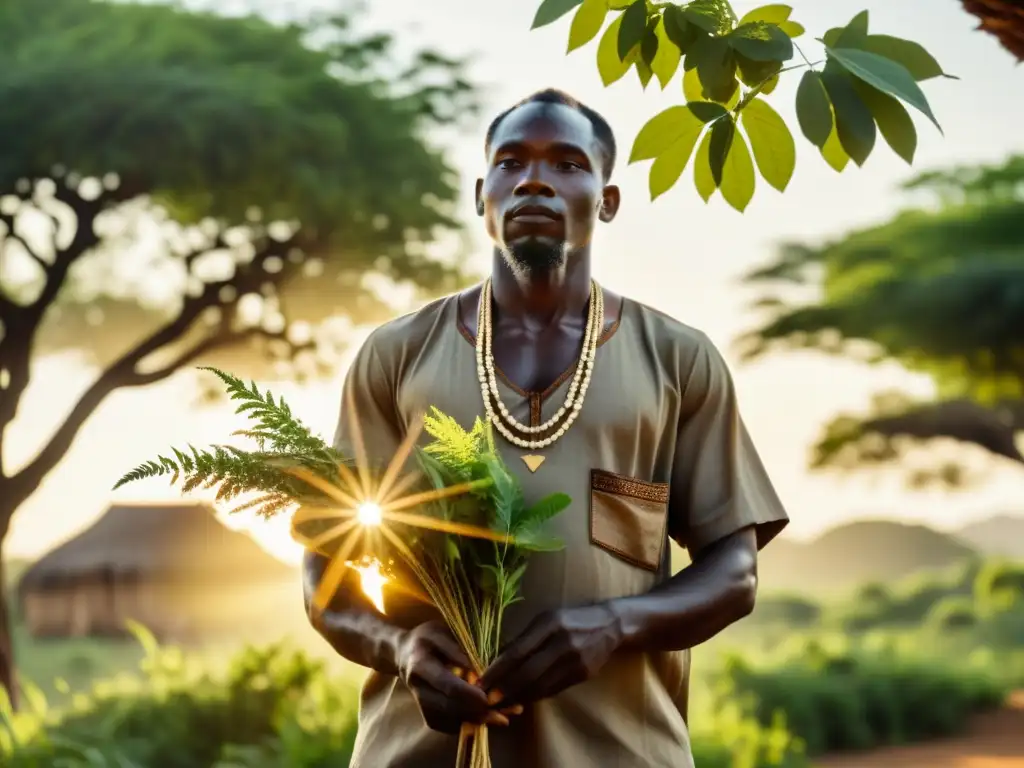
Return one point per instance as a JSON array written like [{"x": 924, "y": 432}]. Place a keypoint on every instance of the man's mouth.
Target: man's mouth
[{"x": 534, "y": 214}]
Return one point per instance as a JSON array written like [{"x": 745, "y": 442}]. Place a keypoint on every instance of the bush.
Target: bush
[
  {"x": 271, "y": 707},
  {"x": 952, "y": 614},
  {"x": 843, "y": 701}
]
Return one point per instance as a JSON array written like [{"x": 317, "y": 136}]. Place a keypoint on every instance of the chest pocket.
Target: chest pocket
[{"x": 628, "y": 517}]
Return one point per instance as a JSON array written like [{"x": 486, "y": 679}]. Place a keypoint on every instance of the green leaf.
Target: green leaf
[
  {"x": 716, "y": 67},
  {"x": 884, "y": 74},
  {"x": 722, "y": 133},
  {"x": 644, "y": 72},
  {"x": 609, "y": 65},
  {"x": 830, "y": 37},
  {"x": 753, "y": 73},
  {"x": 552, "y": 10},
  {"x": 692, "y": 89},
  {"x": 834, "y": 153},
  {"x": 666, "y": 60},
  {"x": 709, "y": 15},
  {"x": 535, "y": 541},
  {"x": 706, "y": 111},
  {"x": 663, "y": 130},
  {"x": 921, "y": 64},
  {"x": 451, "y": 549},
  {"x": 738, "y": 179},
  {"x": 703, "y": 179},
  {"x": 587, "y": 23},
  {"x": 854, "y": 123},
  {"x": 853, "y": 33},
  {"x": 632, "y": 27},
  {"x": 759, "y": 41},
  {"x": 771, "y": 141},
  {"x": 813, "y": 111},
  {"x": 772, "y": 14},
  {"x": 545, "y": 509},
  {"x": 792, "y": 28},
  {"x": 668, "y": 166},
  {"x": 650, "y": 42},
  {"x": 892, "y": 119},
  {"x": 679, "y": 30},
  {"x": 770, "y": 85}
]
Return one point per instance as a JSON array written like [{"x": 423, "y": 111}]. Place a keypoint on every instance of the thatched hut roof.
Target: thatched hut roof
[
  {"x": 172, "y": 540},
  {"x": 1002, "y": 18}
]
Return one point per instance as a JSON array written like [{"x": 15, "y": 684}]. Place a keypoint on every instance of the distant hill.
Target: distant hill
[
  {"x": 1000, "y": 535},
  {"x": 853, "y": 554}
]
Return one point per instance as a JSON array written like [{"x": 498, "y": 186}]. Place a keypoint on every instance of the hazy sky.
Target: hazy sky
[{"x": 676, "y": 254}]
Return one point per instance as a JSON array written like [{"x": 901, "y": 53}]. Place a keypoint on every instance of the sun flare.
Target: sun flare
[
  {"x": 372, "y": 581},
  {"x": 369, "y": 513}
]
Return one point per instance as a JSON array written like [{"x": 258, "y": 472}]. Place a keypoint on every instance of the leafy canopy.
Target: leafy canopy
[
  {"x": 227, "y": 123},
  {"x": 938, "y": 289},
  {"x": 729, "y": 65}
]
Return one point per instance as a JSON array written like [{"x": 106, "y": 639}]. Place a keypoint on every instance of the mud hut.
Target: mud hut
[{"x": 172, "y": 567}]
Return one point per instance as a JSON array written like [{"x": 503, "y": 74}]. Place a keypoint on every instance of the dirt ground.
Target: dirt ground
[{"x": 995, "y": 740}]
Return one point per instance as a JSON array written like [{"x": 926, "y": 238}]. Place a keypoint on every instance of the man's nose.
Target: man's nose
[{"x": 533, "y": 183}]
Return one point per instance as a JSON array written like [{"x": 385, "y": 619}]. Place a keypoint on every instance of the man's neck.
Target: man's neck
[{"x": 543, "y": 297}]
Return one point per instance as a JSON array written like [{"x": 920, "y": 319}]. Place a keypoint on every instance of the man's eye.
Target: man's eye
[
  {"x": 508, "y": 163},
  {"x": 569, "y": 165}
]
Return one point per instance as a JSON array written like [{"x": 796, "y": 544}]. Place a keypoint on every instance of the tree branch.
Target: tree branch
[
  {"x": 124, "y": 373},
  {"x": 852, "y": 441}
]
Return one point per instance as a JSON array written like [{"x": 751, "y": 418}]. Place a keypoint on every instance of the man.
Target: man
[{"x": 647, "y": 440}]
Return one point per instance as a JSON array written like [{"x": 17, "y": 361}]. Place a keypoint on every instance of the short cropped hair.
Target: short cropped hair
[{"x": 602, "y": 131}]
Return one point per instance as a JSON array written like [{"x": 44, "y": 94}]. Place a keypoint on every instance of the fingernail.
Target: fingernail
[
  {"x": 458, "y": 671},
  {"x": 516, "y": 710},
  {"x": 496, "y": 718},
  {"x": 472, "y": 677},
  {"x": 493, "y": 697}
]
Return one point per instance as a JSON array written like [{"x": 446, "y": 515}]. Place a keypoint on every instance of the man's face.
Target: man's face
[{"x": 544, "y": 190}]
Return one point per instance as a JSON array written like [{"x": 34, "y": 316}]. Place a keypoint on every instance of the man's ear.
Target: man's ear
[
  {"x": 611, "y": 198},
  {"x": 479, "y": 197}
]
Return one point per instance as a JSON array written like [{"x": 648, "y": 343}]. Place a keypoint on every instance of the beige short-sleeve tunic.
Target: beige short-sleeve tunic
[{"x": 659, "y": 451}]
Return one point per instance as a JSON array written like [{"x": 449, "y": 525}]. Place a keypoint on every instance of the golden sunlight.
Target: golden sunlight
[
  {"x": 361, "y": 505},
  {"x": 372, "y": 581},
  {"x": 369, "y": 513}
]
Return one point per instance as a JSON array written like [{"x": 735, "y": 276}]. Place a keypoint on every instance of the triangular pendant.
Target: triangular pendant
[{"x": 532, "y": 462}]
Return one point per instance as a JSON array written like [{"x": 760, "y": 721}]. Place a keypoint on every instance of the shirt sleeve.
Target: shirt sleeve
[
  {"x": 719, "y": 484},
  {"x": 368, "y": 412}
]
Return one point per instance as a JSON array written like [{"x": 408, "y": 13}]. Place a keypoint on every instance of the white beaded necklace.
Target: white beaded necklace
[{"x": 497, "y": 412}]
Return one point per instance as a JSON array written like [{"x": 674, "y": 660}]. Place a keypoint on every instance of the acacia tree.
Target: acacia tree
[
  {"x": 258, "y": 172},
  {"x": 938, "y": 289}
]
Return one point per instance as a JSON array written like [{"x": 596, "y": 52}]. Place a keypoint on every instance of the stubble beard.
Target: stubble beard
[{"x": 533, "y": 257}]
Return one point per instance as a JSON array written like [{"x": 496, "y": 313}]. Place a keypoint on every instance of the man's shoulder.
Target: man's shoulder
[
  {"x": 410, "y": 330},
  {"x": 670, "y": 330}
]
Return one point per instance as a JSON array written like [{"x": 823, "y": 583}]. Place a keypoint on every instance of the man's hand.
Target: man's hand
[
  {"x": 426, "y": 658},
  {"x": 558, "y": 650}
]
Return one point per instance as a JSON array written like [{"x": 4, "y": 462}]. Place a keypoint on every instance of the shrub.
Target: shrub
[
  {"x": 952, "y": 614},
  {"x": 843, "y": 701},
  {"x": 273, "y": 702}
]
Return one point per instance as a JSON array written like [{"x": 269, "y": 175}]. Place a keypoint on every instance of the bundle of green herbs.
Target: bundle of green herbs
[{"x": 464, "y": 533}]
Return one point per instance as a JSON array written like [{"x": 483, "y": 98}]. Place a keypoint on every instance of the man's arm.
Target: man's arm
[
  {"x": 422, "y": 656},
  {"x": 351, "y": 625},
  {"x": 697, "y": 603}
]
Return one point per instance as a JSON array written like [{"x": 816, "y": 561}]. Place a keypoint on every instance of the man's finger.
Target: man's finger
[
  {"x": 450, "y": 650},
  {"x": 518, "y": 650},
  {"x": 528, "y": 681},
  {"x": 450, "y": 685}
]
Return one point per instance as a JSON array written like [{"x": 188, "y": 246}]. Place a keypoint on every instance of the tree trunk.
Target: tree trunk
[{"x": 8, "y": 676}]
